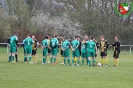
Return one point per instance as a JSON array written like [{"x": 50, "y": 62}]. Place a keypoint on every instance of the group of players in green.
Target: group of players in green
[{"x": 86, "y": 49}]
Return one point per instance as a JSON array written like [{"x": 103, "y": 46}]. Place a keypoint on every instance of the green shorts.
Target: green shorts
[
  {"x": 66, "y": 53},
  {"x": 28, "y": 50},
  {"x": 76, "y": 53},
  {"x": 13, "y": 49},
  {"x": 91, "y": 54},
  {"x": 45, "y": 53},
  {"x": 83, "y": 55},
  {"x": 54, "y": 52}
]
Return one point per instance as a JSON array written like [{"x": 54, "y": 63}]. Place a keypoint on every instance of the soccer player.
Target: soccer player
[
  {"x": 65, "y": 48},
  {"x": 34, "y": 49},
  {"x": 94, "y": 39},
  {"x": 28, "y": 49},
  {"x": 75, "y": 50},
  {"x": 45, "y": 49},
  {"x": 61, "y": 51},
  {"x": 12, "y": 41},
  {"x": 91, "y": 47},
  {"x": 83, "y": 51},
  {"x": 103, "y": 47},
  {"x": 116, "y": 46},
  {"x": 54, "y": 48},
  {"x": 49, "y": 48},
  {"x": 16, "y": 54}
]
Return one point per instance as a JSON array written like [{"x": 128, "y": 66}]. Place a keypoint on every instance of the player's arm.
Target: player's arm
[
  {"x": 49, "y": 37},
  {"x": 107, "y": 44},
  {"x": 77, "y": 46},
  {"x": 114, "y": 44},
  {"x": 97, "y": 45},
  {"x": 43, "y": 47},
  {"x": 37, "y": 45},
  {"x": 8, "y": 41}
]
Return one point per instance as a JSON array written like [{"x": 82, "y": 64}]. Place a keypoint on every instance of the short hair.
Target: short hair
[
  {"x": 76, "y": 36},
  {"x": 66, "y": 37},
  {"x": 46, "y": 37},
  {"x": 55, "y": 35},
  {"x": 49, "y": 35},
  {"x": 91, "y": 38},
  {"x": 61, "y": 35},
  {"x": 102, "y": 36},
  {"x": 117, "y": 36}
]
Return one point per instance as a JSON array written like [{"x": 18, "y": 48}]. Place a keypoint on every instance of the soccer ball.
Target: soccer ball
[{"x": 99, "y": 64}]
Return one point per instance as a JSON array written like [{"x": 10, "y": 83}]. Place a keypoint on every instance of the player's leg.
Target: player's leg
[
  {"x": 93, "y": 58},
  {"x": 64, "y": 54},
  {"x": 89, "y": 58},
  {"x": 49, "y": 56},
  {"x": 77, "y": 54},
  {"x": 16, "y": 55},
  {"x": 44, "y": 57},
  {"x": 9, "y": 57},
  {"x": 13, "y": 53},
  {"x": 116, "y": 56},
  {"x": 96, "y": 58},
  {"x": 35, "y": 56},
  {"x": 30, "y": 55},
  {"x": 102, "y": 58},
  {"x": 62, "y": 57},
  {"x": 83, "y": 58},
  {"x": 106, "y": 59},
  {"x": 73, "y": 56},
  {"x": 54, "y": 56},
  {"x": 67, "y": 55}
]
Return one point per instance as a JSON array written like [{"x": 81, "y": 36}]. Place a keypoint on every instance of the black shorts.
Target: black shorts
[
  {"x": 116, "y": 54},
  {"x": 34, "y": 52},
  {"x": 61, "y": 52},
  {"x": 103, "y": 53},
  {"x": 49, "y": 51}
]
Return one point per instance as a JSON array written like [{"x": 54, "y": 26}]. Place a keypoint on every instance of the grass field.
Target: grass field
[{"x": 21, "y": 75}]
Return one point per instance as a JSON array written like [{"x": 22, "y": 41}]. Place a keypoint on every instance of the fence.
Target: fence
[{"x": 130, "y": 47}]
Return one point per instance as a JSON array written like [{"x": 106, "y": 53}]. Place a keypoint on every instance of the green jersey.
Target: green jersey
[
  {"x": 45, "y": 44},
  {"x": 91, "y": 46},
  {"x": 28, "y": 42},
  {"x": 75, "y": 44},
  {"x": 13, "y": 40},
  {"x": 65, "y": 45},
  {"x": 83, "y": 49},
  {"x": 54, "y": 43}
]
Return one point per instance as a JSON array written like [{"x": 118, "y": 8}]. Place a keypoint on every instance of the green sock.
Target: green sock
[
  {"x": 43, "y": 60},
  {"x": 54, "y": 60},
  {"x": 30, "y": 59},
  {"x": 82, "y": 61},
  {"x": 78, "y": 61},
  {"x": 12, "y": 58},
  {"x": 94, "y": 61},
  {"x": 25, "y": 59},
  {"x": 68, "y": 60},
  {"x": 9, "y": 58},
  {"x": 89, "y": 62},
  {"x": 51, "y": 60},
  {"x": 64, "y": 60},
  {"x": 72, "y": 60}
]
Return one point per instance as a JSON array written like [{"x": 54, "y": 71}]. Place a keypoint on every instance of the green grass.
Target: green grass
[{"x": 21, "y": 75}]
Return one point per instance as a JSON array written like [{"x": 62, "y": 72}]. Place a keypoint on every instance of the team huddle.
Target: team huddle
[{"x": 86, "y": 50}]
